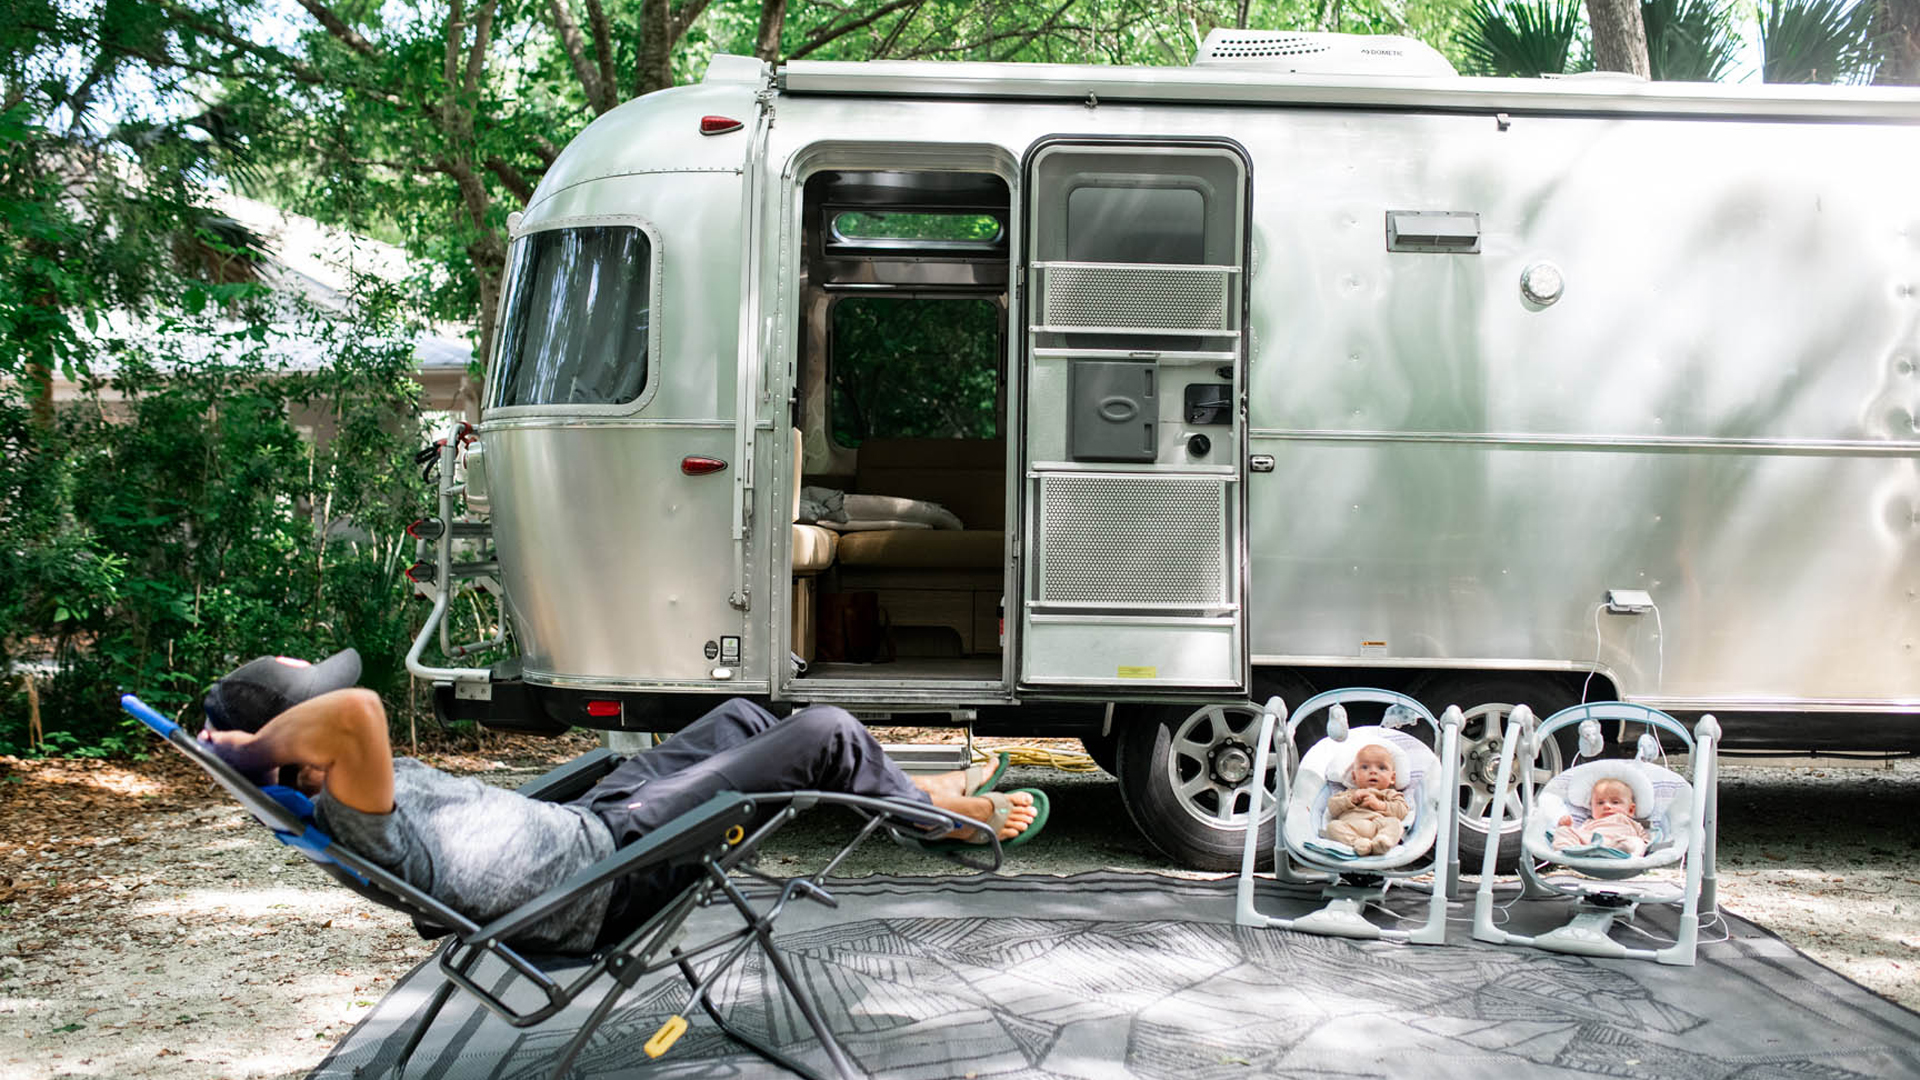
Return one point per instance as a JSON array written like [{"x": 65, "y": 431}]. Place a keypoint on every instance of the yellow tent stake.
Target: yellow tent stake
[{"x": 668, "y": 1034}]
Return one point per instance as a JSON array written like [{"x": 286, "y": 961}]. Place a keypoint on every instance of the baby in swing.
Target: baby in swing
[
  {"x": 1370, "y": 815},
  {"x": 1612, "y": 824}
]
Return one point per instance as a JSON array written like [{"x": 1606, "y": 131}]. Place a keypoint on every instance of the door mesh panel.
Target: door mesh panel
[
  {"x": 1150, "y": 541},
  {"x": 1135, "y": 297}
]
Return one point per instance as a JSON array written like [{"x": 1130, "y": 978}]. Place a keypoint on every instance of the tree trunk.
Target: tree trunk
[
  {"x": 1900, "y": 21},
  {"x": 40, "y": 377},
  {"x": 773, "y": 19},
  {"x": 489, "y": 265},
  {"x": 1619, "y": 37},
  {"x": 655, "y": 68},
  {"x": 599, "y": 98},
  {"x": 39, "y": 371}
]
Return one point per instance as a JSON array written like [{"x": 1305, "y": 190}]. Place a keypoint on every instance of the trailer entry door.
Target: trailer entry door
[{"x": 1133, "y": 427}]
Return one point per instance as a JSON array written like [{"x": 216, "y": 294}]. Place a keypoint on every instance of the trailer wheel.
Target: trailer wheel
[
  {"x": 1486, "y": 704},
  {"x": 1185, "y": 780}
]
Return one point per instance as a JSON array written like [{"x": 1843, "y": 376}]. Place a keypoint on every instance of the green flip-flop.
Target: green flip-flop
[
  {"x": 981, "y": 779},
  {"x": 1002, "y": 808}
]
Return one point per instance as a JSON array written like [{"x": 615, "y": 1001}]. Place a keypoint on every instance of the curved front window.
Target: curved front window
[{"x": 577, "y": 318}]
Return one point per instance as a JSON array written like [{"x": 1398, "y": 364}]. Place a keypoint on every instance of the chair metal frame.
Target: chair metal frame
[
  {"x": 712, "y": 837},
  {"x": 1599, "y": 902},
  {"x": 1344, "y": 915}
]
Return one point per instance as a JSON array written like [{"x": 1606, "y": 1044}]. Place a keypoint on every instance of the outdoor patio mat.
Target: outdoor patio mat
[{"x": 1136, "y": 975}]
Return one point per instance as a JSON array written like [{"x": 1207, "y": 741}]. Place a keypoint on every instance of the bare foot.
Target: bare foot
[
  {"x": 978, "y": 808},
  {"x": 946, "y": 783}
]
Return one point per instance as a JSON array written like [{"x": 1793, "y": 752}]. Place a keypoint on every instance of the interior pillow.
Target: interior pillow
[
  {"x": 861, "y": 525},
  {"x": 862, "y": 507}
]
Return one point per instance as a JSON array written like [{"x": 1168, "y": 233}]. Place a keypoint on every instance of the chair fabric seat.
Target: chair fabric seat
[
  {"x": 813, "y": 548},
  {"x": 924, "y": 549}
]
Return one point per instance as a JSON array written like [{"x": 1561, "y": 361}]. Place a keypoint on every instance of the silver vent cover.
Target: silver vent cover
[
  {"x": 1133, "y": 541},
  {"x": 1320, "y": 54}
]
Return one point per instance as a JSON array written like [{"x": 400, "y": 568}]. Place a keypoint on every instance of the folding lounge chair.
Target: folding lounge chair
[
  {"x": 1302, "y": 856},
  {"x": 712, "y": 837},
  {"x": 1681, "y": 821}
]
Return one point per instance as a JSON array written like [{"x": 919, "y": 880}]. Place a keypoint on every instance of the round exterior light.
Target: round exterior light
[{"x": 1542, "y": 283}]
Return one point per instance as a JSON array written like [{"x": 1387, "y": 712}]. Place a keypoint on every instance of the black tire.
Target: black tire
[
  {"x": 1103, "y": 749},
  {"x": 1484, "y": 698},
  {"x": 1171, "y": 761}
]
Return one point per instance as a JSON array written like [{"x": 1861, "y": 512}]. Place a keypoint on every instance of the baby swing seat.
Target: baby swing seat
[
  {"x": 1604, "y": 884},
  {"x": 718, "y": 837},
  {"x": 1303, "y": 855},
  {"x": 1665, "y": 797}
]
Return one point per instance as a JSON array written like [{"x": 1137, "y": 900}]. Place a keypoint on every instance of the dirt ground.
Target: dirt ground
[{"x": 149, "y": 931}]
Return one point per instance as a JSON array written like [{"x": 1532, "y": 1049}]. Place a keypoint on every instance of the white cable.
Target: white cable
[
  {"x": 1660, "y": 645},
  {"x": 1596, "y": 653},
  {"x": 1660, "y": 651}
]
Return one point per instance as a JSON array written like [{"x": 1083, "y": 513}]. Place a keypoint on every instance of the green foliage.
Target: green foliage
[
  {"x": 174, "y": 516},
  {"x": 194, "y": 525},
  {"x": 1818, "y": 41},
  {"x": 1690, "y": 40},
  {"x": 889, "y": 225},
  {"x": 1525, "y": 38},
  {"x": 906, "y": 368}
]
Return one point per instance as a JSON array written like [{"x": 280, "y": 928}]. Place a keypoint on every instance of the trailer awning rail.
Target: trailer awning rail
[{"x": 1221, "y": 85}]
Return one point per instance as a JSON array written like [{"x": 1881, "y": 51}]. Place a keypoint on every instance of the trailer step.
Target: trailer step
[{"x": 927, "y": 757}]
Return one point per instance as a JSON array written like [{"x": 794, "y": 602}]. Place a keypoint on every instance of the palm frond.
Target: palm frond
[
  {"x": 1690, "y": 40},
  {"x": 1817, "y": 41},
  {"x": 1526, "y": 38}
]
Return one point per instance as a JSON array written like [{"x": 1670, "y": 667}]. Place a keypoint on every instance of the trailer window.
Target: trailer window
[
  {"x": 910, "y": 368},
  {"x": 577, "y": 318},
  {"x": 1166, "y": 225},
  {"x": 936, "y": 229}
]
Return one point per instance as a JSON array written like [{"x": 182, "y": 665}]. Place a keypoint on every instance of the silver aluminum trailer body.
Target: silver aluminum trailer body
[{"x": 1491, "y": 354}]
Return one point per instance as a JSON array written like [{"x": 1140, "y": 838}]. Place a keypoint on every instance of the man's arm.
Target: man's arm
[{"x": 342, "y": 733}]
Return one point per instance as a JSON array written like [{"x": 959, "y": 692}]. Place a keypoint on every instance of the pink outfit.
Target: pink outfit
[{"x": 1614, "y": 831}]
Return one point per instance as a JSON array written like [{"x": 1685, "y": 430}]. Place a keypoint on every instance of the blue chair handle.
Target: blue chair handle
[{"x": 145, "y": 713}]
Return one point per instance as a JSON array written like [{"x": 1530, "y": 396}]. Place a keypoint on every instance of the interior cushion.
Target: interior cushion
[
  {"x": 940, "y": 549},
  {"x": 967, "y": 476},
  {"x": 813, "y": 548}
]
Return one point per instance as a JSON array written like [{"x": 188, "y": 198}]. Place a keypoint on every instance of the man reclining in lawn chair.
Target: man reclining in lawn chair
[{"x": 484, "y": 851}]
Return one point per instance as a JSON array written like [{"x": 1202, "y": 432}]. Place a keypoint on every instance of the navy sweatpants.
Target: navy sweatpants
[{"x": 739, "y": 746}]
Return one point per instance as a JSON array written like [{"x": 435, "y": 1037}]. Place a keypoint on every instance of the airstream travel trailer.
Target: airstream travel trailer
[{"x": 1308, "y": 365}]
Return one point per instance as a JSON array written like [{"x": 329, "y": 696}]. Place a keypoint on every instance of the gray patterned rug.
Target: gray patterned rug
[{"x": 1112, "y": 975}]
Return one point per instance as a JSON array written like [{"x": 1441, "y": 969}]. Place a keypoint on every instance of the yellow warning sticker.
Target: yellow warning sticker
[{"x": 1137, "y": 672}]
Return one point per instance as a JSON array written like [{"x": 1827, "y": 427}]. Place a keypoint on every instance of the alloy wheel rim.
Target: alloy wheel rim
[{"x": 1210, "y": 764}]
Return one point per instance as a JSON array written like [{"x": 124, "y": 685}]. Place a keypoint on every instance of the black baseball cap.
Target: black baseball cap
[{"x": 245, "y": 698}]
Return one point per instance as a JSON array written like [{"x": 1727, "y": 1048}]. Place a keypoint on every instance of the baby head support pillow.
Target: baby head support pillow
[
  {"x": 1581, "y": 778},
  {"x": 1344, "y": 757}
]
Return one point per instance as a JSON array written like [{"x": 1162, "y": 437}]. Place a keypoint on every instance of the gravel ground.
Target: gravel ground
[{"x": 182, "y": 947}]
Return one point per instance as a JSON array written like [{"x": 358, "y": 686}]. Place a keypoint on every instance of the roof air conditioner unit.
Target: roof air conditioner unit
[{"x": 1320, "y": 54}]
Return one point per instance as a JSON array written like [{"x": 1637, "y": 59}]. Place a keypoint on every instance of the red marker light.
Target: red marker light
[
  {"x": 603, "y": 708},
  {"x": 718, "y": 125},
  {"x": 694, "y": 465}
]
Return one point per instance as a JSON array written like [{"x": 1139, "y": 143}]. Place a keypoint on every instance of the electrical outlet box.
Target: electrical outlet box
[{"x": 1629, "y": 601}]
